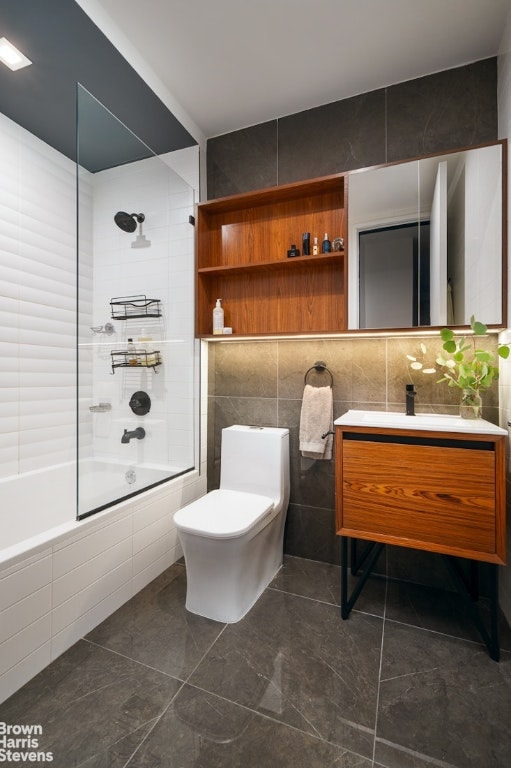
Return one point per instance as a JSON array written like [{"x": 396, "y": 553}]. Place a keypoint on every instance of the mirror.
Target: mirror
[{"x": 425, "y": 242}]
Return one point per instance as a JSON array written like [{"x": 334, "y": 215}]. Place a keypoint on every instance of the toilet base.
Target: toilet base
[{"x": 226, "y": 577}]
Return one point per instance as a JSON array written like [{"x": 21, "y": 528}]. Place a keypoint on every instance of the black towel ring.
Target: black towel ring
[{"x": 319, "y": 367}]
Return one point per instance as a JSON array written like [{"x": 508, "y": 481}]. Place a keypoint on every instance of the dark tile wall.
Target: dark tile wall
[
  {"x": 451, "y": 109},
  {"x": 261, "y": 382}
]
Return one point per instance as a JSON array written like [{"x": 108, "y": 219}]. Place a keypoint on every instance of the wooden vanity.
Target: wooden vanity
[{"x": 428, "y": 482}]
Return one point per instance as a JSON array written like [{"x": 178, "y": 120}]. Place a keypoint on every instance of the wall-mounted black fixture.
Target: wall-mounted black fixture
[
  {"x": 138, "y": 433},
  {"x": 128, "y": 221},
  {"x": 140, "y": 403}
]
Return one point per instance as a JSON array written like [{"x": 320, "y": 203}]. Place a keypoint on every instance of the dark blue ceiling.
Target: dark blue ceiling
[{"x": 67, "y": 48}]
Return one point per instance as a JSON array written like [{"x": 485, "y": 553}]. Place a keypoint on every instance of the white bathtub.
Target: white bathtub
[
  {"x": 101, "y": 481},
  {"x": 60, "y": 577}
]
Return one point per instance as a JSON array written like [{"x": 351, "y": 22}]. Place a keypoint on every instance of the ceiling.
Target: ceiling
[
  {"x": 235, "y": 63},
  {"x": 67, "y": 48}
]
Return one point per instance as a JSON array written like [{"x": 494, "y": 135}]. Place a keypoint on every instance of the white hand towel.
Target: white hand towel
[{"x": 316, "y": 419}]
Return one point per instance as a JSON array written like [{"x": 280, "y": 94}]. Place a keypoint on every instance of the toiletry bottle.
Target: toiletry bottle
[
  {"x": 146, "y": 342},
  {"x": 306, "y": 243},
  {"x": 315, "y": 247},
  {"x": 218, "y": 318},
  {"x": 132, "y": 353},
  {"x": 293, "y": 251},
  {"x": 326, "y": 245}
]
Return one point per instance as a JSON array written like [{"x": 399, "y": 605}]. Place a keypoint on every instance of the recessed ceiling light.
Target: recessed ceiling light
[{"x": 10, "y": 55}]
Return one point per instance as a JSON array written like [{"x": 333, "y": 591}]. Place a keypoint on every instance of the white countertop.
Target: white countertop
[{"x": 429, "y": 422}]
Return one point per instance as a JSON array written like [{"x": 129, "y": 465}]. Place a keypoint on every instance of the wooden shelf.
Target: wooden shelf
[
  {"x": 295, "y": 262},
  {"x": 241, "y": 257}
]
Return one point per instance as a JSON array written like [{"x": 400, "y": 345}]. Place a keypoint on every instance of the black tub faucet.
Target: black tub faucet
[
  {"x": 410, "y": 400},
  {"x": 139, "y": 433}
]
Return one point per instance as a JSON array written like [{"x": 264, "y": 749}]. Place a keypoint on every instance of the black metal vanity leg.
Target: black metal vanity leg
[
  {"x": 474, "y": 579},
  {"x": 344, "y": 577},
  {"x": 490, "y": 635},
  {"x": 353, "y": 556},
  {"x": 494, "y": 618},
  {"x": 371, "y": 554}
]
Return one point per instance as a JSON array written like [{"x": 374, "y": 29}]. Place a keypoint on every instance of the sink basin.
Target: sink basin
[{"x": 426, "y": 421}]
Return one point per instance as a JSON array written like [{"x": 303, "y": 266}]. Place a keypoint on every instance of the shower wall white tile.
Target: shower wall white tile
[
  {"x": 37, "y": 302},
  {"x": 164, "y": 271}
]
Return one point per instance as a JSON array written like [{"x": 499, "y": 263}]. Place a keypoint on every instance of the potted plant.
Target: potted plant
[{"x": 465, "y": 366}]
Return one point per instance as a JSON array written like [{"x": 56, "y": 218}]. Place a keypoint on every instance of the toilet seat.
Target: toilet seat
[{"x": 223, "y": 514}]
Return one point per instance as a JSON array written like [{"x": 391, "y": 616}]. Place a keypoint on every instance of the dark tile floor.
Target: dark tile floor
[{"x": 403, "y": 683}]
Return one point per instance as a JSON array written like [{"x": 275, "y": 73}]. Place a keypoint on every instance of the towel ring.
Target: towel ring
[{"x": 319, "y": 367}]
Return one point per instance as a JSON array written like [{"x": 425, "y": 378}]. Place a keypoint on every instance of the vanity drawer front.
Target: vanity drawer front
[{"x": 431, "y": 497}]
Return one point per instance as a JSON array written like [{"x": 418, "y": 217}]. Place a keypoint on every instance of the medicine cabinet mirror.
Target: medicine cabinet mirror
[{"x": 427, "y": 241}]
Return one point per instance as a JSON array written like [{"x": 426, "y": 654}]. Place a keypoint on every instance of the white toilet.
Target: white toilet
[{"x": 232, "y": 538}]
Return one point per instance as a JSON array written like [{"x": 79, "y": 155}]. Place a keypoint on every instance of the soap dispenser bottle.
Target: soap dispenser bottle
[{"x": 218, "y": 318}]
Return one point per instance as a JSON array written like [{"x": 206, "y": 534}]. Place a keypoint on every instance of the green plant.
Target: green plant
[{"x": 465, "y": 366}]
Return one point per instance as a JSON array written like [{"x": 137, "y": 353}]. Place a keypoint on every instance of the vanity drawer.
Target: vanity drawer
[{"x": 438, "y": 495}]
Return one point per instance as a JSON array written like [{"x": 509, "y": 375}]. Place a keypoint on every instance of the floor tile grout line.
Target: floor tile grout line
[
  {"x": 381, "y": 660},
  {"x": 206, "y": 652},
  {"x": 135, "y": 661},
  {"x": 324, "y": 602},
  {"x": 276, "y": 721},
  {"x": 158, "y": 719},
  {"x": 479, "y": 643}
]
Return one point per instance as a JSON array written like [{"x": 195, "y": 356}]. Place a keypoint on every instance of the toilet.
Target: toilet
[{"x": 232, "y": 538}]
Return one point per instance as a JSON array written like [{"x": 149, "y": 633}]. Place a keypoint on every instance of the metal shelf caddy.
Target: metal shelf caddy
[
  {"x": 131, "y": 307},
  {"x": 139, "y": 359}
]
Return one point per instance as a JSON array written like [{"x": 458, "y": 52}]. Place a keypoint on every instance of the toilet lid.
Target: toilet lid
[{"x": 223, "y": 514}]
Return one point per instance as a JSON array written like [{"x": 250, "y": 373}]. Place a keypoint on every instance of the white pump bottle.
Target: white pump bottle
[{"x": 218, "y": 318}]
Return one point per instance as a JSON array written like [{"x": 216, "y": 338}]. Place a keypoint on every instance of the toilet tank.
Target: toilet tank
[{"x": 256, "y": 460}]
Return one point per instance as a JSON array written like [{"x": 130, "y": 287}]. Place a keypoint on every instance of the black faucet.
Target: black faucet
[
  {"x": 139, "y": 433},
  {"x": 410, "y": 400}
]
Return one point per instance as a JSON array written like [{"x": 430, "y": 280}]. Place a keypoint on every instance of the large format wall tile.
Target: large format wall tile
[
  {"x": 332, "y": 138},
  {"x": 245, "y": 159},
  {"x": 423, "y": 115},
  {"x": 448, "y": 110}
]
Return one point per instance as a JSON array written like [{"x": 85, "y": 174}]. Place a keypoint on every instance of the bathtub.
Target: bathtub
[
  {"x": 101, "y": 481},
  {"x": 60, "y": 577}
]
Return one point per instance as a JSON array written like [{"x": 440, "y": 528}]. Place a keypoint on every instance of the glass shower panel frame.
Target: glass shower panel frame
[{"x": 137, "y": 399}]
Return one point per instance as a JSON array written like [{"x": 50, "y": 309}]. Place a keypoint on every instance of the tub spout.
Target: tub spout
[{"x": 139, "y": 433}]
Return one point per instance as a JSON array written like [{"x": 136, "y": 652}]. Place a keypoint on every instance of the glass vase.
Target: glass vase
[{"x": 471, "y": 404}]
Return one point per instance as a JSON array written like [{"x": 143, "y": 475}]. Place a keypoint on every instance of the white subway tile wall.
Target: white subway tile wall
[{"x": 37, "y": 303}]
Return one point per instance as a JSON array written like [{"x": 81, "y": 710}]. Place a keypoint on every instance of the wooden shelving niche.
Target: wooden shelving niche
[{"x": 241, "y": 257}]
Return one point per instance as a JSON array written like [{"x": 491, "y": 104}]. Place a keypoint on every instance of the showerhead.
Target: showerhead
[{"x": 128, "y": 221}]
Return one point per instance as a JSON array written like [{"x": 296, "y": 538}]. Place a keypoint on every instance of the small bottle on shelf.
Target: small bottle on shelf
[
  {"x": 218, "y": 318},
  {"x": 326, "y": 245},
  {"x": 132, "y": 353},
  {"x": 315, "y": 247}
]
